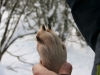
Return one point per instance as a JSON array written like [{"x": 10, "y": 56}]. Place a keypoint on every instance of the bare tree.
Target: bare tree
[
  {"x": 26, "y": 16},
  {"x": 11, "y": 27}
]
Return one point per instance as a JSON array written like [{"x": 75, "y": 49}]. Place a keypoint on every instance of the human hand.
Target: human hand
[
  {"x": 66, "y": 68},
  {"x": 39, "y": 69}
]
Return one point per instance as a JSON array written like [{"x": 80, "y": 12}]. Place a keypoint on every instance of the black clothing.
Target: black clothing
[{"x": 86, "y": 14}]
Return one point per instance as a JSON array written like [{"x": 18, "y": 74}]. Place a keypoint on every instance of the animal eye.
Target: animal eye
[{"x": 38, "y": 39}]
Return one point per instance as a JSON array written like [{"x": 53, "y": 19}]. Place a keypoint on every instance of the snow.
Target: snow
[
  {"x": 1, "y": 70},
  {"x": 80, "y": 58},
  {"x": 2, "y": 9},
  {"x": 2, "y": 24},
  {"x": 31, "y": 22},
  {"x": 61, "y": 7},
  {"x": 59, "y": 12},
  {"x": 37, "y": 4},
  {"x": 4, "y": 16},
  {"x": 5, "y": 71},
  {"x": 19, "y": 31},
  {"x": 51, "y": 12}
]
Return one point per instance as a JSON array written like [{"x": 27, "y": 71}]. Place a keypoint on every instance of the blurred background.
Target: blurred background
[{"x": 19, "y": 22}]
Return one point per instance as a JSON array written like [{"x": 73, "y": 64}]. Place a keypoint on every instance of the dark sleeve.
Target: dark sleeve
[{"x": 86, "y": 14}]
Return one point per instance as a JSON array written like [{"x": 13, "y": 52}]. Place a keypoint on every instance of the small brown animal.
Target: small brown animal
[{"x": 50, "y": 48}]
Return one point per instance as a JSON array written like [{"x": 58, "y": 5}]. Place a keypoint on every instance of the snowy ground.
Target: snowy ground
[{"x": 80, "y": 58}]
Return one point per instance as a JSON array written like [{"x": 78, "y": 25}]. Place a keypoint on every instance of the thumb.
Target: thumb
[{"x": 66, "y": 68}]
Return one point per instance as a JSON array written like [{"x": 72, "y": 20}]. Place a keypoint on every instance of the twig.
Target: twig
[
  {"x": 22, "y": 68},
  {"x": 18, "y": 57},
  {"x": 10, "y": 68}
]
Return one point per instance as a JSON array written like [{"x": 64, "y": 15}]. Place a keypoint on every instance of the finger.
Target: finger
[
  {"x": 66, "y": 68},
  {"x": 38, "y": 69}
]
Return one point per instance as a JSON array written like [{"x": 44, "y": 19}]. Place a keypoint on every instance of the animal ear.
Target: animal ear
[
  {"x": 43, "y": 27},
  {"x": 49, "y": 26}
]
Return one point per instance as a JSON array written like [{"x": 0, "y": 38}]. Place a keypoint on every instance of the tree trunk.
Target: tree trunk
[
  {"x": 0, "y": 56},
  {"x": 2, "y": 53}
]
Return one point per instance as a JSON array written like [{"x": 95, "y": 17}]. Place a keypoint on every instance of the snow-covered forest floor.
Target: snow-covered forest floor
[{"x": 81, "y": 58}]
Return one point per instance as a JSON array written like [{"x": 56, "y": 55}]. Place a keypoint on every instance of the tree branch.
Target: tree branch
[
  {"x": 5, "y": 3},
  {"x": 10, "y": 42},
  {"x": 18, "y": 57},
  {"x": 7, "y": 24}
]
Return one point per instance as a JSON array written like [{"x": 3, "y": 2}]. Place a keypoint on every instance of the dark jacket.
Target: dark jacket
[{"x": 86, "y": 14}]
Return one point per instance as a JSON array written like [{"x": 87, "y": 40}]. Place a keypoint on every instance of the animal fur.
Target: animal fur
[{"x": 50, "y": 48}]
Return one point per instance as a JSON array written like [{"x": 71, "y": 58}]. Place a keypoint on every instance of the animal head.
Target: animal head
[{"x": 48, "y": 39}]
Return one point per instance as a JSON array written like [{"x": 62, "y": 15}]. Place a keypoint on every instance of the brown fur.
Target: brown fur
[{"x": 51, "y": 49}]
